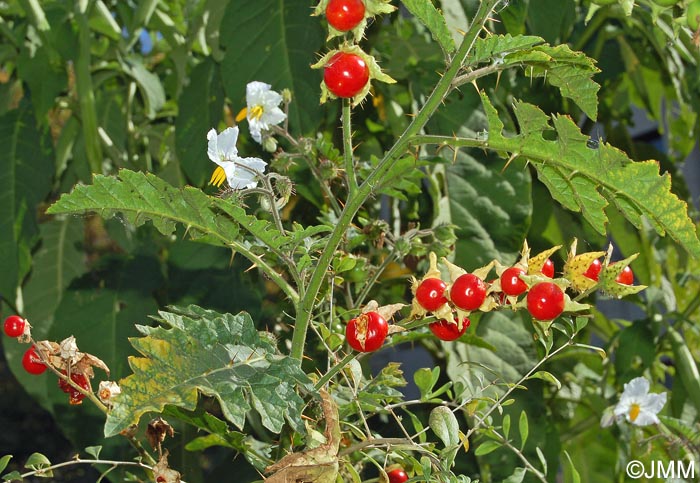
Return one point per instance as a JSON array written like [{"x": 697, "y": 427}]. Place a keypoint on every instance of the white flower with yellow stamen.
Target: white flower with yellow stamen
[
  {"x": 239, "y": 172},
  {"x": 637, "y": 405},
  {"x": 262, "y": 109}
]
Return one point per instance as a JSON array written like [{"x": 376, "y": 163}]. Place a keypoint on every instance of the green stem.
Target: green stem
[
  {"x": 363, "y": 192},
  {"x": 347, "y": 148},
  {"x": 334, "y": 370},
  {"x": 373, "y": 278}
]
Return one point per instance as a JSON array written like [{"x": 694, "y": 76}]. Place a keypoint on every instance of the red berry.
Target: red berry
[
  {"x": 626, "y": 276},
  {"x": 367, "y": 332},
  {"x": 345, "y": 15},
  {"x": 468, "y": 292},
  {"x": 511, "y": 283},
  {"x": 346, "y": 74},
  {"x": 444, "y": 330},
  {"x": 32, "y": 362},
  {"x": 397, "y": 475},
  {"x": 548, "y": 268},
  {"x": 593, "y": 270},
  {"x": 430, "y": 294},
  {"x": 545, "y": 301},
  {"x": 14, "y": 326}
]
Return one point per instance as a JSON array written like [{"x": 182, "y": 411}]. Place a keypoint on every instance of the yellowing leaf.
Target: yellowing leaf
[{"x": 219, "y": 355}]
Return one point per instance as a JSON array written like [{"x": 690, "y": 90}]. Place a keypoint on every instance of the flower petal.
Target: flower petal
[
  {"x": 254, "y": 92},
  {"x": 637, "y": 388},
  {"x": 653, "y": 403}
]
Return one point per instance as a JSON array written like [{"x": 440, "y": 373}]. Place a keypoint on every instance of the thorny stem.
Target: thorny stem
[
  {"x": 347, "y": 148},
  {"x": 335, "y": 370},
  {"x": 354, "y": 203}
]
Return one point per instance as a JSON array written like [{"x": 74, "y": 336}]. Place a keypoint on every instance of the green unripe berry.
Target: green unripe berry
[{"x": 693, "y": 15}]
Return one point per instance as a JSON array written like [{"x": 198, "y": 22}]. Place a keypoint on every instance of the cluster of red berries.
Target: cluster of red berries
[
  {"x": 450, "y": 304},
  {"x": 16, "y": 326}
]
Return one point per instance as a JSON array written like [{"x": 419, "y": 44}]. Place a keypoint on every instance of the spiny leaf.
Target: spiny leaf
[
  {"x": 495, "y": 47},
  {"x": 219, "y": 355},
  {"x": 141, "y": 197},
  {"x": 434, "y": 21},
  {"x": 587, "y": 180},
  {"x": 568, "y": 70}
]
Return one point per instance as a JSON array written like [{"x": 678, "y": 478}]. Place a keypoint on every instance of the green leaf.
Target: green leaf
[
  {"x": 434, "y": 21},
  {"x": 94, "y": 451},
  {"x": 38, "y": 461},
  {"x": 524, "y": 429},
  {"x": 426, "y": 379},
  {"x": 149, "y": 85},
  {"x": 546, "y": 376},
  {"x": 4, "y": 461},
  {"x": 506, "y": 425},
  {"x": 495, "y": 47},
  {"x": 26, "y": 171},
  {"x": 517, "y": 476},
  {"x": 575, "y": 477},
  {"x": 58, "y": 261},
  {"x": 273, "y": 41},
  {"x": 12, "y": 476},
  {"x": 542, "y": 459},
  {"x": 487, "y": 447},
  {"x": 219, "y": 355},
  {"x": 199, "y": 109},
  {"x": 141, "y": 197},
  {"x": 687, "y": 368},
  {"x": 572, "y": 72},
  {"x": 444, "y": 424},
  {"x": 585, "y": 179}
]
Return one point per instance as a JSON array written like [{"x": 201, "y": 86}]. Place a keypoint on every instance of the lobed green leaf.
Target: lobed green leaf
[
  {"x": 586, "y": 178},
  {"x": 219, "y": 355},
  {"x": 434, "y": 21}
]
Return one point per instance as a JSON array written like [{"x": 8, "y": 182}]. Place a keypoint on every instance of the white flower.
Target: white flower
[
  {"x": 262, "y": 108},
  {"x": 239, "y": 172},
  {"x": 637, "y": 405}
]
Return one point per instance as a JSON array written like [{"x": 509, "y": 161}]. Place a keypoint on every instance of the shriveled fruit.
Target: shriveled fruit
[
  {"x": 367, "y": 332},
  {"x": 511, "y": 284},
  {"x": 468, "y": 292},
  {"x": 445, "y": 330},
  {"x": 75, "y": 396},
  {"x": 545, "y": 301},
  {"x": 14, "y": 326},
  {"x": 32, "y": 362},
  {"x": 430, "y": 294},
  {"x": 345, "y": 15}
]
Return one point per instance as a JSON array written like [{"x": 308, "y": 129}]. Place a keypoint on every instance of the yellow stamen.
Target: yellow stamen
[
  {"x": 218, "y": 177},
  {"x": 256, "y": 112},
  {"x": 634, "y": 411},
  {"x": 241, "y": 114}
]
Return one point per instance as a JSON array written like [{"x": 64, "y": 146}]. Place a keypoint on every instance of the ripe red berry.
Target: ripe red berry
[
  {"x": 367, "y": 332},
  {"x": 397, "y": 475},
  {"x": 548, "y": 268},
  {"x": 346, "y": 74},
  {"x": 14, "y": 326},
  {"x": 345, "y": 15},
  {"x": 593, "y": 270},
  {"x": 444, "y": 330},
  {"x": 511, "y": 284},
  {"x": 545, "y": 301},
  {"x": 468, "y": 292},
  {"x": 430, "y": 294},
  {"x": 626, "y": 276},
  {"x": 32, "y": 362}
]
